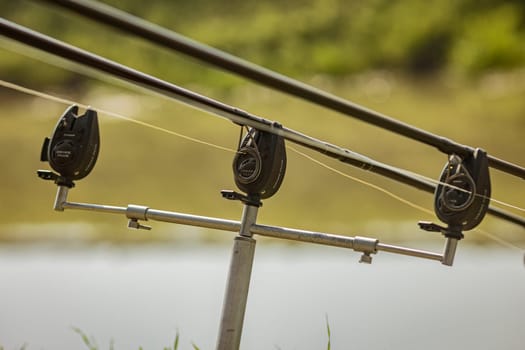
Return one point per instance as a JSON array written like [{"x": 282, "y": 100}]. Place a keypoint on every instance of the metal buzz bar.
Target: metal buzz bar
[
  {"x": 236, "y": 115},
  {"x": 139, "y": 27},
  {"x": 368, "y": 246}
]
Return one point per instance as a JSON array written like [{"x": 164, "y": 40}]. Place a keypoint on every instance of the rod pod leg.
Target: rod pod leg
[{"x": 236, "y": 296}]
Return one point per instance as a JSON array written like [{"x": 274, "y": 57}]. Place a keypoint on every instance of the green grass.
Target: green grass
[
  {"x": 23, "y": 347},
  {"x": 328, "y": 346},
  {"x": 91, "y": 343}
]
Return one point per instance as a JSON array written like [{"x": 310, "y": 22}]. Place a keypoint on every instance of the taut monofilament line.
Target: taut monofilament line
[{"x": 137, "y": 26}]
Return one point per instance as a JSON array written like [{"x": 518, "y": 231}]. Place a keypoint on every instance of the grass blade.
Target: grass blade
[
  {"x": 328, "y": 331},
  {"x": 176, "y": 343},
  {"x": 89, "y": 343}
]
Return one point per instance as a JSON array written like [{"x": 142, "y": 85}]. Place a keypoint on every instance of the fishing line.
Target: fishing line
[
  {"x": 400, "y": 199},
  {"x": 43, "y": 95},
  {"x": 505, "y": 204},
  {"x": 499, "y": 240},
  {"x": 361, "y": 181},
  {"x": 116, "y": 115},
  {"x": 407, "y": 172},
  {"x": 154, "y": 127},
  {"x": 109, "y": 113},
  {"x": 437, "y": 182}
]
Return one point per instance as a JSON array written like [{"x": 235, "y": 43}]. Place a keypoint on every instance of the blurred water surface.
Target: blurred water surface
[{"x": 141, "y": 296}]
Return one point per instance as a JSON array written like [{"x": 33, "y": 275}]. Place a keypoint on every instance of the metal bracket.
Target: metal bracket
[
  {"x": 449, "y": 232},
  {"x": 367, "y": 246},
  {"x": 134, "y": 223},
  {"x": 135, "y": 213},
  {"x": 254, "y": 201},
  {"x": 57, "y": 179}
]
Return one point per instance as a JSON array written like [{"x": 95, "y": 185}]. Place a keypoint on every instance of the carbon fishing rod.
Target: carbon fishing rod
[
  {"x": 137, "y": 26},
  {"x": 238, "y": 116}
]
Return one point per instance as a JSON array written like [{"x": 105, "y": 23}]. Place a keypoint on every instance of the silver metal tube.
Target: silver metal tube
[
  {"x": 159, "y": 215},
  {"x": 450, "y": 251},
  {"x": 338, "y": 241},
  {"x": 136, "y": 212},
  {"x": 236, "y": 296},
  {"x": 249, "y": 216},
  {"x": 303, "y": 236},
  {"x": 193, "y": 220},
  {"x": 95, "y": 207},
  {"x": 365, "y": 244},
  {"x": 409, "y": 251},
  {"x": 248, "y": 230},
  {"x": 61, "y": 198}
]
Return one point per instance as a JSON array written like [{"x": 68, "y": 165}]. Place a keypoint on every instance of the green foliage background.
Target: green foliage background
[
  {"x": 302, "y": 37},
  {"x": 454, "y": 68}
]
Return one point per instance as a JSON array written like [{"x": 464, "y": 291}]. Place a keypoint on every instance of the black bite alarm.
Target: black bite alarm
[
  {"x": 260, "y": 163},
  {"x": 463, "y": 195},
  {"x": 73, "y": 148}
]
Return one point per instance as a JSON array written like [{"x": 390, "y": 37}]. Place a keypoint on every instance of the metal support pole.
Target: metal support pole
[
  {"x": 450, "y": 251},
  {"x": 61, "y": 198},
  {"x": 236, "y": 295}
]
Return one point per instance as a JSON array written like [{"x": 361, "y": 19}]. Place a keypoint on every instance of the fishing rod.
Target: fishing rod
[
  {"x": 137, "y": 26},
  {"x": 238, "y": 116}
]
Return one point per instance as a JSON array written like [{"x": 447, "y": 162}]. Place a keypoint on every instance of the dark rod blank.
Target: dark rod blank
[{"x": 130, "y": 24}]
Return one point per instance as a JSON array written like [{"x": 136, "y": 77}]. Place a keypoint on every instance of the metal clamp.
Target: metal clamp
[
  {"x": 135, "y": 213},
  {"x": 367, "y": 246}
]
